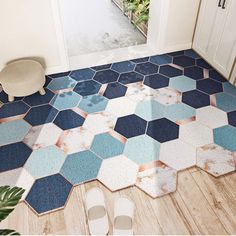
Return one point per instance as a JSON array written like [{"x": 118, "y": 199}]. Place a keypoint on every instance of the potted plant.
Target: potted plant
[{"x": 9, "y": 198}]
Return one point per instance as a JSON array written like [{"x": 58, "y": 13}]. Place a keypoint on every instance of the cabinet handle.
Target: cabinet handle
[
  {"x": 223, "y": 7},
  {"x": 219, "y": 3}
]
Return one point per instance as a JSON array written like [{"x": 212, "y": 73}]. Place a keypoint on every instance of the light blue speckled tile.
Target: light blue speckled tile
[
  {"x": 182, "y": 83},
  {"x": 142, "y": 149},
  {"x": 105, "y": 146},
  {"x": 229, "y": 88},
  {"x": 179, "y": 111},
  {"x": 45, "y": 161},
  {"x": 13, "y": 131},
  {"x": 93, "y": 103},
  {"x": 225, "y": 102},
  {"x": 81, "y": 167},
  {"x": 65, "y": 101},
  {"x": 61, "y": 83}
]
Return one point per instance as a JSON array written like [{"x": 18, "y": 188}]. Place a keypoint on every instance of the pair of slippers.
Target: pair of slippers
[{"x": 98, "y": 218}]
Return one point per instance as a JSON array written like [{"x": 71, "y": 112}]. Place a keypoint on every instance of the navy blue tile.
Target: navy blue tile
[
  {"x": 48, "y": 80},
  {"x": 161, "y": 59},
  {"x": 82, "y": 75},
  {"x": 49, "y": 193},
  {"x": 130, "y": 77},
  {"x": 38, "y": 99},
  {"x": 106, "y": 76},
  {"x": 194, "y": 72},
  {"x": 209, "y": 86},
  {"x": 191, "y": 53},
  {"x": 213, "y": 74},
  {"x": 60, "y": 74},
  {"x": 184, "y": 61},
  {"x": 174, "y": 54},
  {"x": 68, "y": 119},
  {"x": 202, "y": 63},
  {"x": 140, "y": 60},
  {"x": 102, "y": 67},
  {"x": 87, "y": 87},
  {"x": 13, "y": 109},
  {"x": 156, "y": 81},
  {"x": 4, "y": 97},
  {"x": 232, "y": 118},
  {"x": 130, "y": 126},
  {"x": 146, "y": 68},
  {"x": 13, "y": 156},
  {"x": 170, "y": 71},
  {"x": 124, "y": 66},
  {"x": 41, "y": 115},
  {"x": 115, "y": 90},
  {"x": 196, "y": 99},
  {"x": 163, "y": 130}
]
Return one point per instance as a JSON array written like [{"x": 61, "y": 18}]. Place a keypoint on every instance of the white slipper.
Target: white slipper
[
  {"x": 96, "y": 212},
  {"x": 123, "y": 217}
]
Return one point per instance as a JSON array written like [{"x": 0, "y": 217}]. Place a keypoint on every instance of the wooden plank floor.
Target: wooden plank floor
[{"x": 202, "y": 204}]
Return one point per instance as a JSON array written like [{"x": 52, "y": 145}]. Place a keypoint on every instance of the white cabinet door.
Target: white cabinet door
[{"x": 225, "y": 52}]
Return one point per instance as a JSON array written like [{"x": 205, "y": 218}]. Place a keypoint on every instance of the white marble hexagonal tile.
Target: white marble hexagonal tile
[
  {"x": 196, "y": 134},
  {"x": 178, "y": 154},
  {"x": 168, "y": 96},
  {"x": 211, "y": 117},
  {"x": 42, "y": 136},
  {"x": 19, "y": 178},
  {"x": 122, "y": 106},
  {"x": 99, "y": 122},
  {"x": 215, "y": 159},
  {"x": 118, "y": 172},
  {"x": 75, "y": 140},
  {"x": 156, "y": 179}
]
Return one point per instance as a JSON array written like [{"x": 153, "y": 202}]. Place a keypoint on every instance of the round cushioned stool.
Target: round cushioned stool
[{"x": 22, "y": 78}]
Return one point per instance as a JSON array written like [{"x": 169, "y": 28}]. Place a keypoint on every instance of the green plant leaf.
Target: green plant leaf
[
  {"x": 9, "y": 197},
  {"x": 8, "y": 232}
]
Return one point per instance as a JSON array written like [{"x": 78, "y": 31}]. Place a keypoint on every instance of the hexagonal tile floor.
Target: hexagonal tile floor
[{"x": 132, "y": 123}]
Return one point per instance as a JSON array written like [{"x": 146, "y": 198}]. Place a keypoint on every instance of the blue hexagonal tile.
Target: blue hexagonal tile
[
  {"x": 63, "y": 101},
  {"x": 202, "y": 63},
  {"x": 13, "y": 156},
  {"x": 86, "y": 88},
  {"x": 226, "y": 137},
  {"x": 102, "y": 67},
  {"x": 59, "y": 75},
  {"x": 81, "y": 167},
  {"x": 175, "y": 54},
  {"x": 93, "y": 103},
  {"x": 161, "y": 59},
  {"x": 191, "y": 53},
  {"x": 38, "y": 99},
  {"x": 61, "y": 83},
  {"x": 182, "y": 83},
  {"x": 68, "y": 119},
  {"x": 106, "y": 76},
  {"x": 146, "y": 68},
  {"x": 130, "y": 126},
  {"x": 213, "y": 74},
  {"x": 49, "y": 193},
  {"x": 163, "y": 130},
  {"x": 229, "y": 88},
  {"x": 209, "y": 86},
  {"x": 115, "y": 90},
  {"x": 150, "y": 110},
  {"x": 4, "y": 97},
  {"x": 194, "y": 72},
  {"x": 232, "y": 118},
  {"x": 156, "y": 81},
  {"x": 13, "y": 109},
  {"x": 170, "y": 71},
  {"x": 184, "y": 61},
  {"x": 41, "y": 115},
  {"x": 130, "y": 77},
  {"x": 142, "y": 149},
  {"x": 48, "y": 80},
  {"x": 13, "y": 131},
  {"x": 124, "y": 66},
  {"x": 140, "y": 60},
  {"x": 82, "y": 74},
  {"x": 179, "y": 111},
  {"x": 105, "y": 146},
  {"x": 196, "y": 99},
  {"x": 45, "y": 161},
  {"x": 225, "y": 102}
]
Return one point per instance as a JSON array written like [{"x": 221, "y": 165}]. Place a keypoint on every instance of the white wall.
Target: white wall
[{"x": 28, "y": 30}]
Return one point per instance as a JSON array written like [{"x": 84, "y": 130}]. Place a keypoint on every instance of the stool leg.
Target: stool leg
[
  {"x": 42, "y": 91},
  {"x": 10, "y": 98}
]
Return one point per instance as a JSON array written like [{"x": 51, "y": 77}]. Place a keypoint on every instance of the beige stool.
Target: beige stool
[{"x": 22, "y": 78}]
